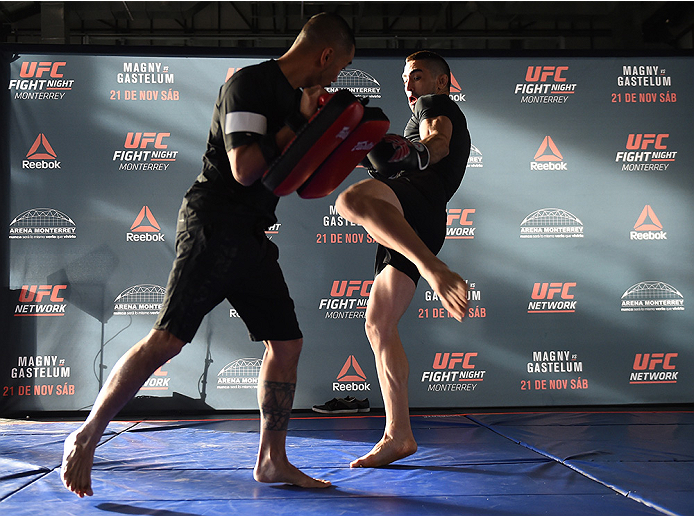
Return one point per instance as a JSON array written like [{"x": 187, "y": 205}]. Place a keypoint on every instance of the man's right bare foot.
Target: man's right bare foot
[
  {"x": 451, "y": 289},
  {"x": 386, "y": 451},
  {"x": 76, "y": 469}
]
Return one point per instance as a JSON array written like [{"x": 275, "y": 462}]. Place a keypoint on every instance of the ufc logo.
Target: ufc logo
[
  {"x": 548, "y": 290},
  {"x": 347, "y": 289},
  {"x": 543, "y": 73},
  {"x": 642, "y": 141},
  {"x": 450, "y": 360},
  {"x": 36, "y": 293},
  {"x": 459, "y": 214},
  {"x": 34, "y": 69},
  {"x": 142, "y": 140},
  {"x": 651, "y": 360}
]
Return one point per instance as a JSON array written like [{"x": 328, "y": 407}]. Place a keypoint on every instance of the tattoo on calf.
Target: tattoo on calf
[{"x": 276, "y": 406}]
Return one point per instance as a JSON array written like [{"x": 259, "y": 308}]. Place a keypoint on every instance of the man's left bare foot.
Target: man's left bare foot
[{"x": 268, "y": 472}]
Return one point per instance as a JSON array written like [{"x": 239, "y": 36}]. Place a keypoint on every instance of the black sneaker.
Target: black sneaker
[
  {"x": 337, "y": 406},
  {"x": 362, "y": 405}
]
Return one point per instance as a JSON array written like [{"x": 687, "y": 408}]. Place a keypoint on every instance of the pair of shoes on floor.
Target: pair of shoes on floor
[{"x": 348, "y": 405}]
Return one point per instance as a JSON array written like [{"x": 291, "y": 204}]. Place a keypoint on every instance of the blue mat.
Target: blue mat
[{"x": 479, "y": 464}]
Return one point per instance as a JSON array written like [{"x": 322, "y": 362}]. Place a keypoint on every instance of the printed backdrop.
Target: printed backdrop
[{"x": 573, "y": 226}]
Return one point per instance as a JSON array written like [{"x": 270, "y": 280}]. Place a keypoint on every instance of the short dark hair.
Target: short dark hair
[
  {"x": 437, "y": 64},
  {"x": 328, "y": 28}
]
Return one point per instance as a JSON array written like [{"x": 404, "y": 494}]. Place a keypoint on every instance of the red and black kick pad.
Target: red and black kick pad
[
  {"x": 328, "y": 127},
  {"x": 343, "y": 160}
]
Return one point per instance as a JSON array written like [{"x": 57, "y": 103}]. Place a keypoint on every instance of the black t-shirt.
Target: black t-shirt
[
  {"x": 256, "y": 100},
  {"x": 441, "y": 180}
]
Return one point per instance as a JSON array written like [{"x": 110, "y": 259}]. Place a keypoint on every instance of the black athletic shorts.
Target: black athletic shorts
[
  {"x": 221, "y": 254},
  {"x": 427, "y": 218}
]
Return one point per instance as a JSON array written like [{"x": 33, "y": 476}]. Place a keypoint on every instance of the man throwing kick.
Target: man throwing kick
[{"x": 404, "y": 209}]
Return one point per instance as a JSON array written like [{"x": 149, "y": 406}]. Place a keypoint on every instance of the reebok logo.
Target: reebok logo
[
  {"x": 41, "y": 155},
  {"x": 351, "y": 377},
  {"x": 545, "y": 85},
  {"x": 145, "y": 223},
  {"x": 552, "y": 298},
  {"x": 648, "y": 227},
  {"x": 41, "y": 301},
  {"x": 646, "y": 151},
  {"x": 548, "y": 157},
  {"x": 457, "y": 224},
  {"x": 654, "y": 368},
  {"x": 456, "y": 93},
  {"x": 548, "y": 151}
]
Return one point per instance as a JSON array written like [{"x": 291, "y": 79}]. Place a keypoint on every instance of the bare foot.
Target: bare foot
[
  {"x": 451, "y": 289},
  {"x": 387, "y": 450},
  {"x": 75, "y": 472},
  {"x": 269, "y": 472}
]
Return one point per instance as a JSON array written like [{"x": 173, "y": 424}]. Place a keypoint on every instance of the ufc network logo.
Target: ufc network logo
[
  {"x": 459, "y": 215},
  {"x": 548, "y": 290},
  {"x": 545, "y": 73},
  {"x": 37, "y": 293},
  {"x": 450, "y": 360},
  {"x": 644, "y": 141},
  {"x": 649, "y": 361},
  {"x": 350, "y": 288},
  {"x": 33, "y": 69},
  {"x": 142, "y": 140}
]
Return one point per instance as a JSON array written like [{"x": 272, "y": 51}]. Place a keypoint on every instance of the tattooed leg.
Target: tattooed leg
[
  {"x": 276, "y": 405},
  {"x": 276, "y": 386}
]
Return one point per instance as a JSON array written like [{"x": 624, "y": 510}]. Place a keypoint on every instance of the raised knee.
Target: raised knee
[{"x": 347, "y": 203}]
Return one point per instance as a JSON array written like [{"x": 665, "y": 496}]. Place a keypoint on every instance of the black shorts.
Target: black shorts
[
  {"x": 221, "y": 254},
  {"x": 426, "y": 213}
]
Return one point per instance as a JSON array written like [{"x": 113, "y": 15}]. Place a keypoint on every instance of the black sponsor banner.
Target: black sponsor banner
[{"x": 572, "y": 227}]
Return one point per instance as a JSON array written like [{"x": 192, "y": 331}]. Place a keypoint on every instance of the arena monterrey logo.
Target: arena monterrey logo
[
  {"x": 551, "y": 223},
  {"x": 652, "y": 296},
  {"x": 44, "y": 223},
  {"x": 139, "y": 300},
  {"x": 357, "y": 82}
]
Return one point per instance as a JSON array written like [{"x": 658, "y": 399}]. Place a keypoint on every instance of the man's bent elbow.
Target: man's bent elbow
[{"x": 244, "y": 177}]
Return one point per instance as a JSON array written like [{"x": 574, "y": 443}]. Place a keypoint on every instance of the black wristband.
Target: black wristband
[{"x": 296, "y": 121}]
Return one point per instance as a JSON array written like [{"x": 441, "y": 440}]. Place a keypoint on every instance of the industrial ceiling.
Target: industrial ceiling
[{"x": 377, "y": 25}]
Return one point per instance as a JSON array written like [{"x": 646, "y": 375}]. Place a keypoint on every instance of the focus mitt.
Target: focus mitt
[
  {"x": 346, "y": 157},
  {"x": 340, "y": 113}
]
